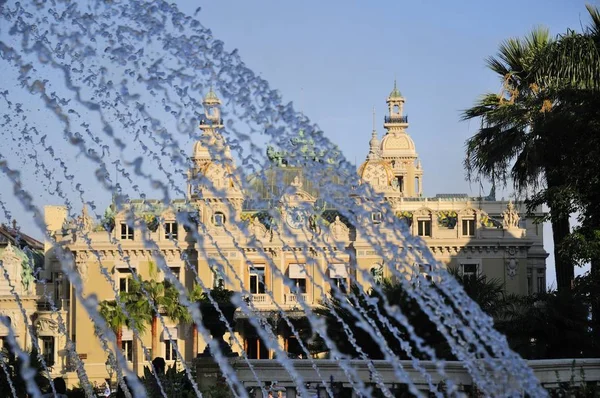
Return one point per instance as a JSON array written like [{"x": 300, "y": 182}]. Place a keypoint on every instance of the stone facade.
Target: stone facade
[{"x": 476, "y": 235}]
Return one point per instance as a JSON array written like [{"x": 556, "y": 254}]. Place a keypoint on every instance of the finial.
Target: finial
[
  {"x": 395, "y": 92},
  {"x": 14, "y": 223},
  {"x": 373, "y": 119}
]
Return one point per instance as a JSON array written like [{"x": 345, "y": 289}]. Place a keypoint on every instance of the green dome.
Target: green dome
[{"x": 395, "y": 92}]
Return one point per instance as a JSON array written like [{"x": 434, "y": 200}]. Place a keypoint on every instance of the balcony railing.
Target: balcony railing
[
  {"x": 204, "y": 120},
  {"x": 260, "y": 299},
  {"x": 396, "y": 119},
  {"x": 292, "y": 298}
]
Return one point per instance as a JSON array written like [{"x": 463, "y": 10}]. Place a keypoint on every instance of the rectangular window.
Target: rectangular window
[
  {"x": 171, "y": 230},
  {"x": 170, "y": 350},
  {"x": 340, "y": 283},
  {"x": 400, "y": 182},
  {"x": 541, "y": 280},
  {"x": 48, "y": 349},
  {"x": 256, "y": 349},
  {"x": 468, "y": 227},
  {"x": 424, "y": 227},
  {"x": 299, "y": 285},
  {"x": 376, "y": 217},
  {"x": 127, "y": 347},
  {"x": 257, "y": 279},
  {"x": 425, "y": 270},
  {"x": 4, "y": 343},
  {"x": 470, "y": 270},
  {"x": 176, "y": 274},
  {"x": 126, "y": 232},
  {"x": 124, "y": 282},
  {"x": 529, "y": 281}
]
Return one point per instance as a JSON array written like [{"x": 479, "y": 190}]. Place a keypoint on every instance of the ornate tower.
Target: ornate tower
[
  {"x": 392, "y": 166},
  {"x": 398, "y": 148},
  {"x": 212, "y": 172}
]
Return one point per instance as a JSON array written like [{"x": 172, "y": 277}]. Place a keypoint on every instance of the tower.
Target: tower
[
  {"x": 393, "y": 168},
  {"x": 212, "y": 172}
]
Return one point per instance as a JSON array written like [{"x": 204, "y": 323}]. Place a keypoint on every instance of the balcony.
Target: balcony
[
  {"x": 292, "y": 298},
  {"x": 260, "y": 300},
  {"x": 396, "y": 119}
]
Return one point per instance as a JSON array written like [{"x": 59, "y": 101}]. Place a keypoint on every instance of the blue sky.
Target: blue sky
[{"x": 337, "y": 60}]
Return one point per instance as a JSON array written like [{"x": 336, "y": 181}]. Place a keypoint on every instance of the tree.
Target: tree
[
  {"x": 195, "y": 296},
  {"x": 148, "y": 297},
  {"x": 516, "y": 140},
  {"x": 116, "y": 318},
  {"x": 11, "y": 370}
]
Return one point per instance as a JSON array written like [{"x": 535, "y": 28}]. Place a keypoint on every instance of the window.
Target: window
[
  {"x": 339, "y": 274},
  {"x": 257, "y": 279},
  {"x": 171, "y": 230},
  {"x": 416, "y": 185},
  {"x": 256, "y": 349},
  {"x": 299, "y": 285},
  {"x": 469, "y": 270},
  {"x": 529, "y": 281},
  {"x": 376, "y": 217},
  {"x": 468, "y": 227},
  {"x": 4, "y": 343},
  {"x": 424, "y": 227},
  {"x": 400, "y": 183},
  {"x": 126, "y": 232},
  {"x": 170, "y": 350},
  {"x": 541, "y": 280},
  {"x": 48, "y": 349},
  {"x": 297, "y": 273},
  {"x": 176, "y": 273},
  {"x": 127, "y": 347},
  {"x": 124, "y": 283},
  {"x": 218, "y": 219}
]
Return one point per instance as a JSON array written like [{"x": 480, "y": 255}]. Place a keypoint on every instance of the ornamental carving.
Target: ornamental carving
[
  {"x": 510, "y": 217},
  {"x": 511, "y": 268},
  {"x": 338, "y": 229},
  {"x": 45, "y": 326}
]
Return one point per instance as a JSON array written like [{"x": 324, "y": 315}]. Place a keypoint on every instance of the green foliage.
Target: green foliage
[{"x": 219, "y": 294}]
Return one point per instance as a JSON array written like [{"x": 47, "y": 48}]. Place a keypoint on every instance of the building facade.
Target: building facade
[{"x": 242, "y": 244}]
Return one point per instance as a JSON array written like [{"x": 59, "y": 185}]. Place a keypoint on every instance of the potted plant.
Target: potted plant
[
  {"x": 151, "y": 221},
  {"x": 211, "y": 318}
]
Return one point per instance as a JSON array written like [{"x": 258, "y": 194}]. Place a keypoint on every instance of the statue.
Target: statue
[{"x": 511, "y": 217}]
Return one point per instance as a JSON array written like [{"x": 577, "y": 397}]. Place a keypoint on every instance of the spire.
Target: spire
[
  {"x": 373, "y": 142},
  {"x": 395, "y": 92},
  {"x": 211, "y": 97}
]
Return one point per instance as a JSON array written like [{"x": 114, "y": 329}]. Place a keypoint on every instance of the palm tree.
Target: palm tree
[
  {"x": 134, "y": 317},
  {"x": 149, "y": 298},
  {"x": 517, "y": 141},
  {"x": 195, "y": 296},
  {"x": 487, "y": 293}
]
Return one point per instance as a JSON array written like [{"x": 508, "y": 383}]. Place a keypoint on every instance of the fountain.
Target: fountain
[{"x": 122, "y": 84}]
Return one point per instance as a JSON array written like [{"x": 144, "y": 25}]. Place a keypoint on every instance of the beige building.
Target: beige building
[{"x": 243, "y": 242}]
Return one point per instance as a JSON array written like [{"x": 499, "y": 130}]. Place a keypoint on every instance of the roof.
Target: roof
[
  {"x": 18, "y": 238},
  {"x": 395, "y": 92}
]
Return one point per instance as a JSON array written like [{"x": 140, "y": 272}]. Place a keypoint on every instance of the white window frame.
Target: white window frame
[
  {"x": 424, "y": 220},
  {"x": 220, "y": 216},
  {"x": 469, "y": 232},
  {"x": 255, "y": 271},
  {"x": 127, "y": 349},
  {"x": 128, "y": 233},
  {"x": 171, "y": 230},
  {"x": 477, "y": 264},
  {"x": 376, "y": 217},
  {"x": 170, "y": 350}
]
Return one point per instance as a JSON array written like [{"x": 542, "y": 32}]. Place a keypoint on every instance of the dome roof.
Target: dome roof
[
  {"x": 206, "y": 141},
  {"x": 394, "y": 144},
  {"x": 370, "y": 165},
  {"x": 211, "y": 96},
  {"x": 271, "y": 184},
  {"x": 395, "y": 92}
]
